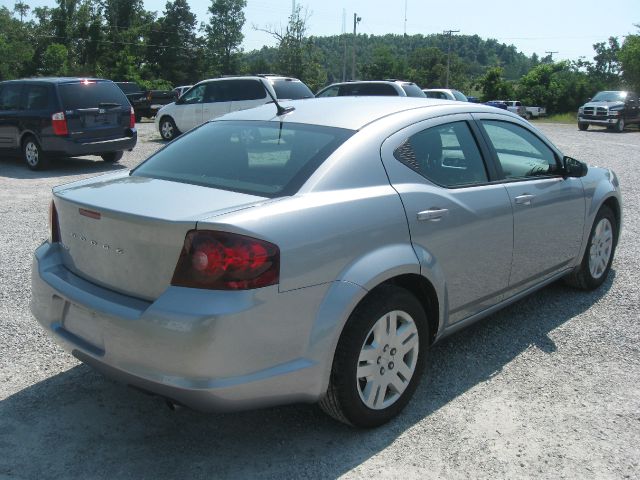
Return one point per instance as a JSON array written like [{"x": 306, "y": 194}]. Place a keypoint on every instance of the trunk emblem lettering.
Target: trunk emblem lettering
[{"x": 94, "y": 243}]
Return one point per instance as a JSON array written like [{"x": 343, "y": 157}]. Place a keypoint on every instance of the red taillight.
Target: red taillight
[
  {"x": 226, "y": 261},
  {"x": 59, "y": 124},
  {"x": 54, "y": 226},
  {"x": 132, "y": 118}
]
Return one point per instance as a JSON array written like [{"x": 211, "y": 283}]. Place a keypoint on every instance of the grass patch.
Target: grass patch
[{"x": 561, "y": 118}]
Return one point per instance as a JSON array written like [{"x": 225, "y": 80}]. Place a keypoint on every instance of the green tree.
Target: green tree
[
  {"x": 224, "y": 34},
  {"x": 16, "y": 46},
  {"x": 174, "y": 45},
  {"x": 629, "y": 56},
  {"x": 606, "y": 67},
  {"x": 54, "y": 60},
  {"x": 494, "y": 86},
  {"x": 21, "y": 9}
]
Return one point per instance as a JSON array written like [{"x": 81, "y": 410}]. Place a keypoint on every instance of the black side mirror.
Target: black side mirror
[{"x": 573, "y": 167}]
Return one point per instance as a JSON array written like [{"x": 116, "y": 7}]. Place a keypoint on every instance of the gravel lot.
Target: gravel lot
[{"x": 547, "y": 388}]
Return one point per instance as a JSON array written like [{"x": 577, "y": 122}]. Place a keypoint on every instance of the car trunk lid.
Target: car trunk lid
[{"x": 125, "y": 233}]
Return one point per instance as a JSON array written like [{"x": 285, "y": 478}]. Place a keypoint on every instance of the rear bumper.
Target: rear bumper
[
  {"x": 208, "y": 350},
  {"x": 72, "y": 147}
]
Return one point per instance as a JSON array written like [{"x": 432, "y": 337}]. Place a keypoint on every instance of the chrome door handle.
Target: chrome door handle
[
  {"x": 434, "y": 214},
  {"x": 524, "y": 199}
]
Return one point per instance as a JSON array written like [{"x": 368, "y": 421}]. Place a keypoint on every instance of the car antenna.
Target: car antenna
[{"x": 281, "y": 110}]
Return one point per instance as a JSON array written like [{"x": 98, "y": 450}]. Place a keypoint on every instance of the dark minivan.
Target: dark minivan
[{"x": 54, "y": 117}]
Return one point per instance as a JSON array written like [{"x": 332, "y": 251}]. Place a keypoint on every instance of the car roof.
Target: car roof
[
  {"x": 60, "y": 79},
  {"x": 352, "y": 113}
]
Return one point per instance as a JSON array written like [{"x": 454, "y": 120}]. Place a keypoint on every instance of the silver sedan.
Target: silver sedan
[{"x": 314, "y": 253}]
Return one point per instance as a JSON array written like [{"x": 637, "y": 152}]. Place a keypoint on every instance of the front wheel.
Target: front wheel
[
  {"x": 168, "y": 129},
  {"x": 620, "y": 126},
  {"x": 582, "y": 126},
  {"x": 379, "y": 359},
  {"x": 598, "y": 256},
  {"x": 33, "y": 155},
  {"x": 528, "y": 116}
]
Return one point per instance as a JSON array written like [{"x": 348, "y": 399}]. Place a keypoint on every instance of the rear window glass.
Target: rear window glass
[
  {"x": 412, "y": 90},
  {"x": 459, "y": 96},
  {"x": 291, "y": 90},
  {"x": 267, "y": 159},
  {"x": 90, "y": 94}
]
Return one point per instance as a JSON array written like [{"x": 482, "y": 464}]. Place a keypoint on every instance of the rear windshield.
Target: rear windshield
[
  {"x": 367, "y": 89},
  {"x": 90, "y": 94},
  {"x": 267, "y": 159},
  {"x": 291, "y": 90},
  {"x": 412, "y": 90},
  {"x": 459, "y": 96}
]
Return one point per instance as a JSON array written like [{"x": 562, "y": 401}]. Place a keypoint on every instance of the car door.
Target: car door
[
  {"x": 188, "y": 108},
  {"x": 461, "y": 224},
  {"x": 217, "y": 100},
  {"x": 548, "y": 209},
  {"x": 246, "y": 94},
  {"x": 10, "y": 102}
]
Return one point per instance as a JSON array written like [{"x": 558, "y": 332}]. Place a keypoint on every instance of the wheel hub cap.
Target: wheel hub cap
[
  {"x": 167, "y": 130},
  {"x": 600, "y": 250},
  {"x": 31, "y": 153},
  {"x": 387, "y": 360}
]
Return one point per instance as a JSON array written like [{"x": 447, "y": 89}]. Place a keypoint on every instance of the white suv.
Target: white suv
[{"x": 212, "y": 98}]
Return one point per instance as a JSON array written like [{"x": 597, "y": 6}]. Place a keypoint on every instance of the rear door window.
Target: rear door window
[
  {"x": 259, "y": 158},
  {"x": 36, "y": 97},
  {"x": 240, "y": 90},
  {"x": 90, "y": 94},
  {"x": 10, "y": 96},
  {"x": 447, "y": 155}
]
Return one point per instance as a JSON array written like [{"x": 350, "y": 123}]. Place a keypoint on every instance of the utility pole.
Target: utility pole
[
  {"x": 550, "y": 55},
  {"x": 356, "y": 21},
  {"x": 449, "y": 33},
  {"x": 405, "y": 18},
  {"x": 344, "y": 41}
]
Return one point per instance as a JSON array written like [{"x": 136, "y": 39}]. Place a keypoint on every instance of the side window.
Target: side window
[
  {"x": 10, "y": 96},
  {"x": 239, "y": 90},
  {"x": 195, "y": 95},
  {"x": 36, "y": 97},
  {"x": 447, "y": 155},
  {"x": 521, "y": 154},
  {"x": 330, "y": 92},
  {"x": 377, "y": 89}
]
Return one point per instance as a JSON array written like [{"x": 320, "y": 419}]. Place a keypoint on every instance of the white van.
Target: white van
[{"x": 212, "y": 98}]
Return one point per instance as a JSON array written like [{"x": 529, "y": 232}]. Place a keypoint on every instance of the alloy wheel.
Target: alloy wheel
[
  {"x": 167, "y": 130},
  {"x": 31, "y": 154},
  {"x": 387, "y": 360},
  {"x": 601, "y": 248}
]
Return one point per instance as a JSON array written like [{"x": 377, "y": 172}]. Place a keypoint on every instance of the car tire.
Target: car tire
[
  {"x": 168, "y": 128},
  {"x": 528, "y": 116},
  {"x": 582, "y": 126},
  {"x": 619, "y": 127},
  {"x": 33, "y": 155},
  {"x": 112, "y": 157},
  {"x": 379, "y": 359},
  {"x": 598, "y": 256}
]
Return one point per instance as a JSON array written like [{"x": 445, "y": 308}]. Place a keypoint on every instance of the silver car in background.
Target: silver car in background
[{"x": 319, "y": 261}]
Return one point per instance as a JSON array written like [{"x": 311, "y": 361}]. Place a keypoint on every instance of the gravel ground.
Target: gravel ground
[{"x": 549, "y": 387}]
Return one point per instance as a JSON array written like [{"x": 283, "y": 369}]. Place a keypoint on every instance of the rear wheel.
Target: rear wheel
[
  {"x": 598, "y": 256},
  {"x": 582, "y": 126},
  {"x": 112, "y": 157},
  {"x": 379, "y": 359},
  {"x": 620, "y": 126},
  {"x": 33, "y": 155},
  {"x": 528, "y": 116},
  {"x": 168, "y": 129}
]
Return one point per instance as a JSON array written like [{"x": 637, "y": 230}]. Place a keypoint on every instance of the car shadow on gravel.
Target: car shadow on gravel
[
  {"x": 11, "y": 167},
  {"x": 79, "y": 424}
]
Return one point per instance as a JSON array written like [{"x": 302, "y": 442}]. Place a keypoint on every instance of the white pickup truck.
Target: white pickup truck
[{"x": 535, "y": 112}]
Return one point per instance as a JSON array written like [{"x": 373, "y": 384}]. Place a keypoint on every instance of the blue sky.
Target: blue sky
[{"x": 569, "y": 27}]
